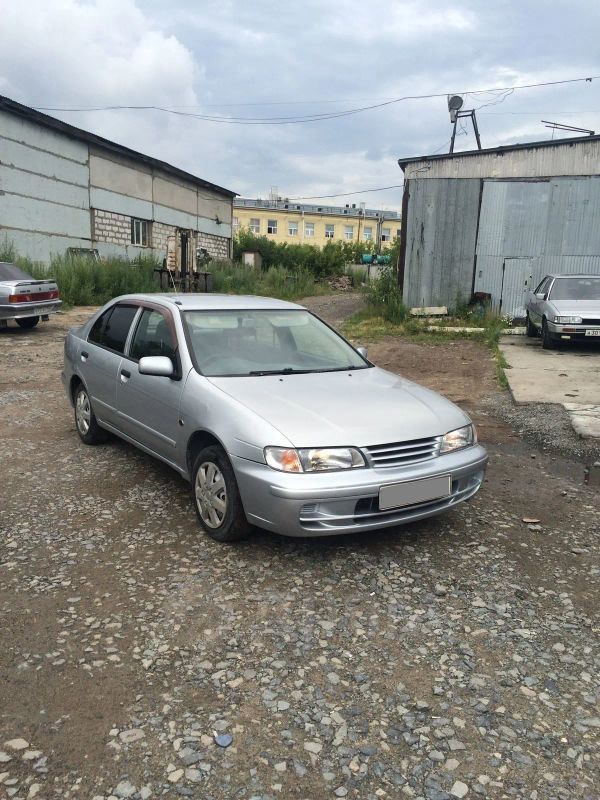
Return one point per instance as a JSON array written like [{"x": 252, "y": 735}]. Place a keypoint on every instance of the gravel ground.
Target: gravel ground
[
  {"x": 546, "y": 424},
  {"x": 457, "y": 657}
]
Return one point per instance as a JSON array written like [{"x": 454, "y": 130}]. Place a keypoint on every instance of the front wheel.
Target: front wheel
[
  {"x": 216, "y": 496},
  {"x": 531, "y": 330},
  {"x": 548, "y": 343},
  {"x": 85, "y": 420},
  {"x": 27, "y": 322}
]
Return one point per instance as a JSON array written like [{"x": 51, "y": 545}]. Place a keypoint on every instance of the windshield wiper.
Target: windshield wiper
[{"x": 284, "y": 371}]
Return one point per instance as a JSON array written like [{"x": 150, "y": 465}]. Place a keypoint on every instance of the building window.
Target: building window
[
  {"x": 329, "y": 231},
  {"x": 398, "y": 232},
  {"x": 385, "y": 234},
  {"x": 309, "y": 229},
  {"x": 292, "y": 228},
  {"x": 348, "y": 232},
  {"x": 140, "y": 229},
  {"x": 368, "y": 234},
  {"x": 236, "y": 223},
  {"x": 271, "y": 226},
  {"x": 255, "y": 225}
]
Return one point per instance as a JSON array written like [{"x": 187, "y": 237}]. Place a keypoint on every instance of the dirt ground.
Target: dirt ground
[{"x": 454, "y": 657}]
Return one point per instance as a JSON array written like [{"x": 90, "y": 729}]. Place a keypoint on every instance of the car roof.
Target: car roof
[
  {"x": 574, "y": 275},
  {"x": 216, "y": 302}
]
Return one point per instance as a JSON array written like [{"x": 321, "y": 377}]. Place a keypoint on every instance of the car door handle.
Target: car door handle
[
  {"x": 125, "y": 375},
  {"x": 84, "y": 355}
]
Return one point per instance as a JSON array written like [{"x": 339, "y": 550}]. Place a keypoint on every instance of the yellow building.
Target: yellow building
[{"x": 283, "y": 220}]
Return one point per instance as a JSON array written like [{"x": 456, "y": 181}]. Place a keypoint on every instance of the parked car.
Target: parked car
[
  {"x": 564, "y": 308},
  {"x": 274, "y": 418},
  {"x": 24, "y": 298}
]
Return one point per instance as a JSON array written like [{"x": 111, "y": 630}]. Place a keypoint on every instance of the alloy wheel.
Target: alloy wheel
[
  {"x": 211, "y": 494},
  {"x": 83, "y": 412}
]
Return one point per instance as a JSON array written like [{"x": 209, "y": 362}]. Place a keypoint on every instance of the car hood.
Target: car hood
[
  {"x": 577, "y": 308},
  {"x": 361, "y": 407}
]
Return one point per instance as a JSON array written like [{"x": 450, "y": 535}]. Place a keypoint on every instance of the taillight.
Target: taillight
[{"x": 33, "y": 298}]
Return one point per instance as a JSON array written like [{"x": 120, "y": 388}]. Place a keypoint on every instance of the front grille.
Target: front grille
[
  {"x": 590, "y": 321},
  {"x": 398, "y": 453}
]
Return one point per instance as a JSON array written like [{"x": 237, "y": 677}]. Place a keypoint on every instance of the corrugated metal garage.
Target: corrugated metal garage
[{"x": 496, "y": 221}]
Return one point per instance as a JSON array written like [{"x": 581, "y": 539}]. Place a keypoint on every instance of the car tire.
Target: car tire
[
  {"x": 530, "y": 328},
  {"x": 85, "y": 420},
  {"x": 548, "y": 343},
  {"x": 27, "y": 322},
  {"x": 216, "y": 496}
]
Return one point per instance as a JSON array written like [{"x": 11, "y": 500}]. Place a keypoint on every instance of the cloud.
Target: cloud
[{"x": 269, "y": 58}]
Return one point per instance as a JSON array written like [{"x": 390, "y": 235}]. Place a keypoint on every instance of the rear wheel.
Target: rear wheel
[
  {"x": 216, "y": 496},
  {"x": 85, "y": 420},
  {"x": 531, "y": 330},
  {"x": 28, "y": 322}
]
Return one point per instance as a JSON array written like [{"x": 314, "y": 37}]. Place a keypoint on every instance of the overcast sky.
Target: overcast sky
[{"x": 271, "y": 58}]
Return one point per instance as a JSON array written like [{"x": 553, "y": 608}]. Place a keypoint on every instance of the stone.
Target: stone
[
  {"x": 131, "y": 735},
  {"x": 459, "y": 789},
  {"x": 313, "y": 747},
  {"x": 125, "y": 789},
  {"x": 16, "y": 744}
]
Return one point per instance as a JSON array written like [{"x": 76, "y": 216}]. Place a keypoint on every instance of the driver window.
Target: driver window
[
  {"x": 543, "y": 287},
  {"x": 153, "y": 336}
]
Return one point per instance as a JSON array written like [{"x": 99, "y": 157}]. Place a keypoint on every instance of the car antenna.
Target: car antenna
[{"x": 178, "y": 302}]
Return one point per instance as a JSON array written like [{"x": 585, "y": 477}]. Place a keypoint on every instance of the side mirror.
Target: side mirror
[
  {"x": 541, "y": 296},
  {"x": 161, "y": 366},
  {"x": 362, "y": 351}
]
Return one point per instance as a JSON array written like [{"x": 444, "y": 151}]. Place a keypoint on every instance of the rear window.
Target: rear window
[
  {"x": 10, "y": 272},
  {"x": 111, "y": 328}
]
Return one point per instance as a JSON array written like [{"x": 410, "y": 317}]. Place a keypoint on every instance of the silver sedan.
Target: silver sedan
[
  {"x": 274, "y": 418},
  {"x": 565, "y": 308},
  {"x": 25, "y": 299}
]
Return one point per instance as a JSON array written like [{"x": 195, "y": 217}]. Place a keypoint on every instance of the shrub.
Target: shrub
[
  {"x": 84, "y": 281},
  {"x": 325, "y": 261},
  {"x": 383, "y": 295}
]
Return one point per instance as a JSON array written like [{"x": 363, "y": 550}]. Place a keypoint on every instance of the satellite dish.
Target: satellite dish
[{"x": 455, "y": 102}]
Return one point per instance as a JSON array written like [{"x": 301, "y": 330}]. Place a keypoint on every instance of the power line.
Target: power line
[
  {"x": 347, "y": 194},
  {"x": 311, "y": 117}
]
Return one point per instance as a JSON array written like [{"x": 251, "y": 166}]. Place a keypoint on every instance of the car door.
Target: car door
[
  {"x": 148, "y": 405},
  {"x": 535, "y": 305},
  {"x": 99, "y": 358}
]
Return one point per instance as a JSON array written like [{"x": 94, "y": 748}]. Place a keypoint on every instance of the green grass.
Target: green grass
[
  {"x": 370, "y": 326},
  {"x": 275, "y": 282},
  {"x": 85, "y": 282}
]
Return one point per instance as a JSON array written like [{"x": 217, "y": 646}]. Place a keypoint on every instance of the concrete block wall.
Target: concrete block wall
[
  {"x": 217, "y": 246},
  {"x": 111, "y": 227},
  {"x": 160, "y": 235}
]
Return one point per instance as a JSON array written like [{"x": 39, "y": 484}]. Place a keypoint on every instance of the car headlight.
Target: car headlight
[
  {"x": 313, "y": 459},
  {"x": 456, "y": 440},
  {"x": 568, "y": 320}
]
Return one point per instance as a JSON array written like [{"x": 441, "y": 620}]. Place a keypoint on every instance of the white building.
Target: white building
[{"x": 62, "y": 187}]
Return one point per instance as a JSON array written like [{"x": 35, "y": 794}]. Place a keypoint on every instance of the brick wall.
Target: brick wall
[
  {"x": 160, "y": 234},
  {"x": 217, "y": 246},
  {"x": 111, "y": 227},
  {"x": 116, "y": 229}
]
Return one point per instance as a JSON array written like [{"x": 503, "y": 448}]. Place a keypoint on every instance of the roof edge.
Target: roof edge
[
  {"x": 507, "y": 148},
  {"x": 11, "y": 106}
]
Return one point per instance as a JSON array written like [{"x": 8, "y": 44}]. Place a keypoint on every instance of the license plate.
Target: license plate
[
  {"x": 593, "y": 333},
  {"x": 408, "y": 493}
]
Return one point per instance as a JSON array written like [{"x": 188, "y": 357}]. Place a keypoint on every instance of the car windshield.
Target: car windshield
[
  {"x": 10, "y": 272},
  {"x": 576, "y": 289},
  {"x": 248, "y": 343}
]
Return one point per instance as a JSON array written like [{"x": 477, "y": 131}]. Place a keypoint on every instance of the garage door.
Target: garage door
[{"x": 517, "y": 278}]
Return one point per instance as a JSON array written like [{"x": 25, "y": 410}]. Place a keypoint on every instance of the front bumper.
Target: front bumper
[
  {"x": 21, "y": 310},
  {"x": 574, "y": 333},
  {"x": 322, "y": 504}
]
